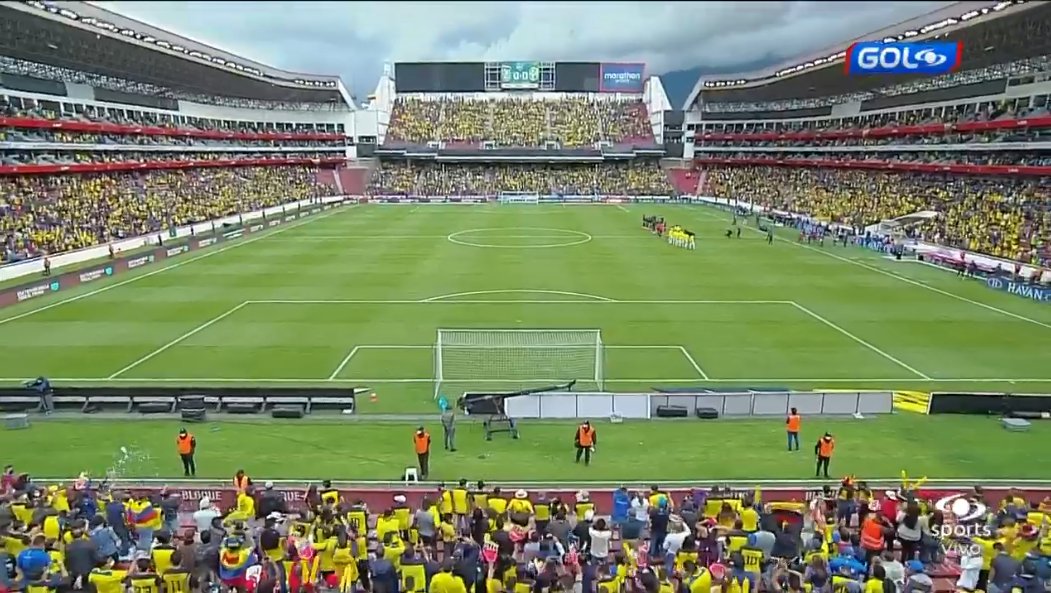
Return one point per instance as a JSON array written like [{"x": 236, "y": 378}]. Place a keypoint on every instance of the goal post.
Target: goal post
[{"x": 513, "y": 359}]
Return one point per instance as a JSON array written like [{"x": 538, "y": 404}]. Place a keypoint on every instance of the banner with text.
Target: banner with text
[
  {"x": 622, "y": 78},
  {"x": 1023, "y": 289}
]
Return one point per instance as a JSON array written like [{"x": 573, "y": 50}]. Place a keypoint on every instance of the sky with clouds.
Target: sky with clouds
[{"x": 355, "y": 39}]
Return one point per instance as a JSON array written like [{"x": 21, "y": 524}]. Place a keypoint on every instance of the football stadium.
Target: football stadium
[{"x": 524, "y": 325}]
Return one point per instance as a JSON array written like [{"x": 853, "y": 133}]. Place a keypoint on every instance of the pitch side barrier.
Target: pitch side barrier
[
  {"x": 494, "y": 199},
  {"x": 379, "y": 495},
  {"x": 1019, "y": 405},
  {"x": 700, "y": 403},
  {"x": 186, "y": 239}
]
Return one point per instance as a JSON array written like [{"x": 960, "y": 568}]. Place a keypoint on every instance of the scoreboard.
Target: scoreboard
[{"x": 520, "y": 75}]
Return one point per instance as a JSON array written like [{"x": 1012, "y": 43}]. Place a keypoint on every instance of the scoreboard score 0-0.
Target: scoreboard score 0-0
[{"x": 520, "y": 75}]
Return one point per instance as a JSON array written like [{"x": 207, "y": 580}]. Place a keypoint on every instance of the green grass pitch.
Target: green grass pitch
[{"x": 324, "y": 301}]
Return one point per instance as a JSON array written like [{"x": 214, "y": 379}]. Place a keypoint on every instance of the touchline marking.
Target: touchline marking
[
  {"x": 343, "y": 364},
  {"x": 622, "y": 208},
  {"x": 786, "y": 382},
  {"x": 208, "y": 253},
  {"x": 905, "y": 279},
  {"x": 693, "y": 362},
  {"x": 499, "y": 301},
  {"x": 186, "y": 335},
  {"x": 861, "y": 341},
  {"x": 320, "y": 238}
]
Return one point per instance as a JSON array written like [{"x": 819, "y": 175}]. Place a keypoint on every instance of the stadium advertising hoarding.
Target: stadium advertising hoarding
[
  {"x": 38, "y": 288},
  {"x": 1023, "y": 289},
  {"x": 622, "y": 78},
  {"x": 520, "y": 75}
]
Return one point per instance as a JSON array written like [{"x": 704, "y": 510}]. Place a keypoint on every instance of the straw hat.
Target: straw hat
[{"x": 521, "y": 494}]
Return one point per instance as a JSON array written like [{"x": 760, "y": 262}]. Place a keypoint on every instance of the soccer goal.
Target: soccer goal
[{"x": 512, "y": 359}]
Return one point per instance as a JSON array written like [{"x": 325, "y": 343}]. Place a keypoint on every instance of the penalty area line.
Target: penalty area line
[
  {"x": 687, "y": 380},
  {"x": 343, "y": 363}
]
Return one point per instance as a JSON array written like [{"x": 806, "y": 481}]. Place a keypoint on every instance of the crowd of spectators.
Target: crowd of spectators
[
  {"x": 430, "y": 179},
  {"x": 1023, "y": 158},
  {"x": 19, "y": 67},
  {"x": 1022, "y": 67},
  {"x": 850, "y": 538},
  {"x": 54, "y": 213},
  {"x": 29, "y": 108},
  {"x": 67, "y": 157},
  {"x": 45, "y": 136},
  {"x": 569, "y": 121},
  {"x": 1008, "y": 217}
]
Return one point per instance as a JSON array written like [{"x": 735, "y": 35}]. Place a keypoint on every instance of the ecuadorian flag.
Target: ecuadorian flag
[{"x": 233, "y": 563}]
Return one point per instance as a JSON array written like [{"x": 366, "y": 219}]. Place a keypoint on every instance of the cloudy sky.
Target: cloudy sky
[{"x": 354, "y": 39}]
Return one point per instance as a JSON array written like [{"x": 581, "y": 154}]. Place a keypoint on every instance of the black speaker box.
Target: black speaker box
[
  {"x": 287, "y": 412},
  {"x": 242, "y": 408},
  {"x": 672, "y": 412},
  {"x": 707, "y": 413},
  {"x": 194, "y": 415},
  {"x": 154, "y": 408},
  {"x": 191, "y": 402}
]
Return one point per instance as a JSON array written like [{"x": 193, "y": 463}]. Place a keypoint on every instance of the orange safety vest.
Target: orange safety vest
[
  {"x": 422, "y": 441},
  {"x": 825, "y": 447},
  {"x": 793, "y": 423},
  {"x": 586, "y": 436},
  {"x": 241, "y": 484},
  {"x": 185, "y": 444},
  {"x": 872, "y": 535}
]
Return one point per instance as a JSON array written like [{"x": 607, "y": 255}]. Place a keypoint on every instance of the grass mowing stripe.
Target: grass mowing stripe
[
  {"x": 207, "y": 254},
  {"x": 862, "y": 342}
]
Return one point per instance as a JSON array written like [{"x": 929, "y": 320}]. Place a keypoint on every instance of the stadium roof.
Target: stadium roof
[
  {"x": 84, "y": 37},
  {"x": 982, "y": 27}
]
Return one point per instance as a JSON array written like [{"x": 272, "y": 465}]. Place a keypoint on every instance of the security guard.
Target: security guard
[
  {"x": 823, "y": 449},
  {"x": 186, "y": 445},
  {"x": 792, "y": 425},
  {"x": 421, "y": 441},
  {"x": 241, "y": 481},
  {"x": 585, "y": 440}
]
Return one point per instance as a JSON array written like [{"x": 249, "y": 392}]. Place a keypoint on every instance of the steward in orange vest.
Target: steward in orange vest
[
  {"x": 421, "y": 442},
  {"x": 241, "y": 481},
  {"x": 823, "y": 449},
  {"x": 186, "y": 445},
  {"x": 792, "y": 424},
  {"x": 585, "y": 441}
]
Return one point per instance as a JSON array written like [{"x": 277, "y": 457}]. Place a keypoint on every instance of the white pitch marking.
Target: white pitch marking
[
  {"x": 456, "y": 295},
  {"x": 693, "y": 362},
  {"x": 862, "y": 342},
  {"x": 186, "y": 335},
  {"x": 444, "y": 300},
  {"x": 343, "y": 364},
  {"x": 622, "y": 208},
  {"x": 905, "y": 279},
  {"x": 209, "y": 253}
]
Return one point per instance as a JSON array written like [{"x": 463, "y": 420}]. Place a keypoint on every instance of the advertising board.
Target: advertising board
[
  {"x": 1023, "y": 289},
  {"x": 622, "y": 78}
]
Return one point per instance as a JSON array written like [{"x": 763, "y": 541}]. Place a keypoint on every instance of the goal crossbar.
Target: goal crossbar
[{"x": 514, "y": 357}]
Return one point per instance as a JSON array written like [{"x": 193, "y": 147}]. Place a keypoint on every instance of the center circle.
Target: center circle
[{"x": 505, "y": 237}]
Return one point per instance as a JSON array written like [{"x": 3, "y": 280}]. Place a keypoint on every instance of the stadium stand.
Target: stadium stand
[
  {"x": 971, "y": 147},
  {"x": 110, "y": 128}
]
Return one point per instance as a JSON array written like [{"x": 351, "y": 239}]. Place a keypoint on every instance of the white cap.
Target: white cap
[
  {"x": 205, "y": 502},
  {"x": 400, "y": 499},
  {"x": 269, "y": 484}
]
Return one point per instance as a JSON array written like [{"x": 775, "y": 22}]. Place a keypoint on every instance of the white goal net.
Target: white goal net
[{"x": 510, "y": 359}]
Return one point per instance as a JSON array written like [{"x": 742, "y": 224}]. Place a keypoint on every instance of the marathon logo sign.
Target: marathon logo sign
[
  {"x": 621, "y": 78},
  {"x": 232, "y": 235},
  {"x": 273, "y": 223},
  {"x": 92, "y": 275},
  {"x": 140, "y": 261},
  {"x": 255, "y": 228},
  {"x": 38, "y": 290},
  {"x": 1029, "y": 291},
  {"x": 206, "y": 242}
]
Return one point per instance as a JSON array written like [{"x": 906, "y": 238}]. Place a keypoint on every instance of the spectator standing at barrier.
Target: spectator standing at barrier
[
  {"x": 421, "y": 441},
  {"x": 792, "y": 425},
  {"x": 585, "y": 441},
  {"x": 449, "y": 427},
  {"x": 823, "y": 449},
  {"x": 43, "y": 387},
  {"x": 186, "y": 444}
]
